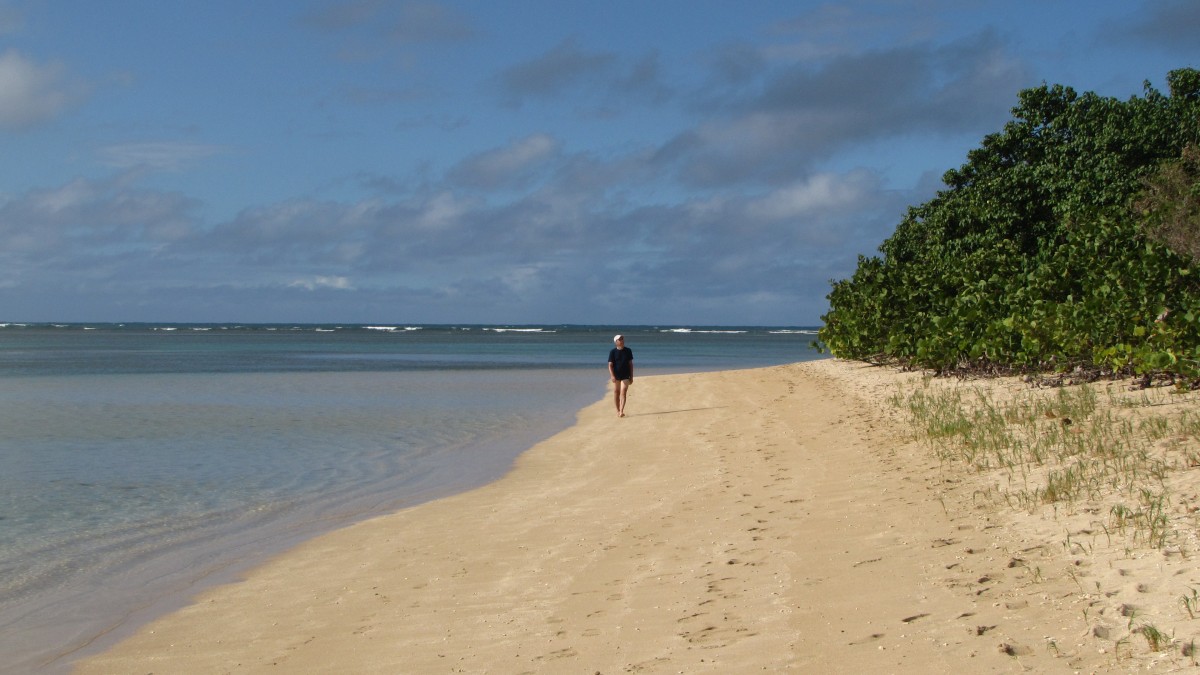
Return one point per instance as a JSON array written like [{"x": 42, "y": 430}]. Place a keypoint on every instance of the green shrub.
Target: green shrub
[{"x": 1034, "y": 257}]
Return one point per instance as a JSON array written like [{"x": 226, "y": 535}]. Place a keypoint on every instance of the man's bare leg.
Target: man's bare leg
[{"x": 620, "y": 393}]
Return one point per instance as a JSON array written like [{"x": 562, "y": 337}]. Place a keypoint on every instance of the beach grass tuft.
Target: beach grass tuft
[{"x": 1069, "y": 447}]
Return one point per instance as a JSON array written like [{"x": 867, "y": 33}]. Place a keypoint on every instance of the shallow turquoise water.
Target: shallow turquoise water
[{"x": 137, "y": 463}]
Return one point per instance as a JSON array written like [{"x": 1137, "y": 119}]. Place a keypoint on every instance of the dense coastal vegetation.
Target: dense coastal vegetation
[{"x": 1067, "y": 242}]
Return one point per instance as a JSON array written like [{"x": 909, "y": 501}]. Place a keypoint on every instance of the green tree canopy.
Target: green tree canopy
[{"x": 1034, "y": 256}]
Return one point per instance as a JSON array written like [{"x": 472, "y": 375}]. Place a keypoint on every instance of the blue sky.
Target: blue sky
[{"x": 539, "y": 161}]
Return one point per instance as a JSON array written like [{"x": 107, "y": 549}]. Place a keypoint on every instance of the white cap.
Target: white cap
[{"x": 618, "y": 337}]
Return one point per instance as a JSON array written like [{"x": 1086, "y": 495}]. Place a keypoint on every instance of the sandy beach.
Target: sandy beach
[{"x": 776, "y": 519}]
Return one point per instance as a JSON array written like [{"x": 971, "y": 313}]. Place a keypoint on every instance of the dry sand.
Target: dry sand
[{"x": 761, "y": 520}]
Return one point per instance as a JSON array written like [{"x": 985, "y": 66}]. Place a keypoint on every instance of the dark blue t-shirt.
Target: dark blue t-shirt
[{"x": 622, "y": 360}]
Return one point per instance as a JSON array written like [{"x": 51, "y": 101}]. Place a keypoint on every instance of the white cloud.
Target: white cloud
[
  {"x": 507, "y": 165},
  {"x": 30, "y": 93},
  {"x": 783, "y": 120},
  {"x": 442, "y": 212},
  {"x": 165, "y": 155},
  {"x": 52, "y": 201},
  {"x": 85, "y": 218},
  {"x": 565, "y": 66},
  {"x": 822, "y": 192},
  {"x": 524, "y": 278},
  {"x": 318, "y": 282}
]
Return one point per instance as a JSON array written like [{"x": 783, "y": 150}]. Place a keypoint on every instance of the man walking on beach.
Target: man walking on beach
[{"x": 620, "y": 369}]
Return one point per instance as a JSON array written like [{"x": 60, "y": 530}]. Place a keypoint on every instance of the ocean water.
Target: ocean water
[{"x": 140, "y": 463}]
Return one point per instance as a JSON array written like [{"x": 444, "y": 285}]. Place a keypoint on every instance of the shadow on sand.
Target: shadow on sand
[{"x": 672, "y": 412}]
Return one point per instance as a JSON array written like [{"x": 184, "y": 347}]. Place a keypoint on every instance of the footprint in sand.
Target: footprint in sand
[
  {"x": 559, "y": 654},
  {"x": 870, "y": 638},
  {"x": 1014, "y": 649}
]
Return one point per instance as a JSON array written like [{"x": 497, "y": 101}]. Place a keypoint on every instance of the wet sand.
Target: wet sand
[{"x": 770, "y": 519}]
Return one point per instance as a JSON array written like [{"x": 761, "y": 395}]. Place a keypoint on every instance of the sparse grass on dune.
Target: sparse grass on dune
[
  {"x": 1116, "y": 469},
  {"x": 1073, "y": 447}
]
